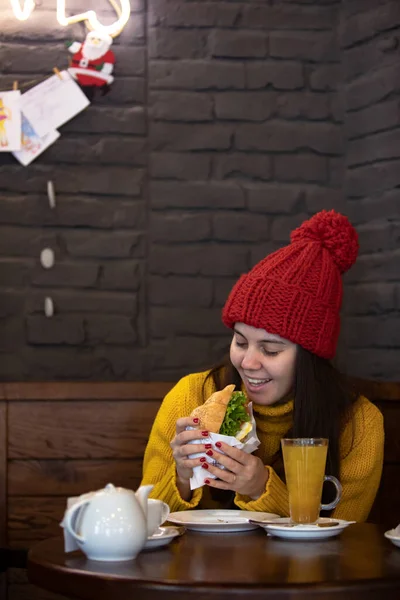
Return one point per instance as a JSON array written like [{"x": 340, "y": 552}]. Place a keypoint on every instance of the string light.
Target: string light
[
  {"x": 90, "y": 17},
  {"x": 22, "y": 14}
]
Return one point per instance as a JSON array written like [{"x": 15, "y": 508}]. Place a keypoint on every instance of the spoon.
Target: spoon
[{"x": 331, "y": 524}]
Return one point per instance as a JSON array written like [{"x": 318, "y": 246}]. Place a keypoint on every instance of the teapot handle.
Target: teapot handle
[{"x": 69, "y": 517}]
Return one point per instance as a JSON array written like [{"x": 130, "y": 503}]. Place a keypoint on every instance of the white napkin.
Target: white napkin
[
  {"x": 70, "y": 543},
  {"x": 251, "y": 444},
  {"x": 396, "y": 531}
]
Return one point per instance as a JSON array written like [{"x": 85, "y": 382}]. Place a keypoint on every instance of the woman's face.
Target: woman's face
[{"x": 265, "y": 362}]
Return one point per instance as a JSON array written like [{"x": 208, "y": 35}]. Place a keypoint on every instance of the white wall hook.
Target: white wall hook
[
  {"x": 48, "y": 307},
  {"x": 51, "y": 194},
  {"x": 47, "y": 258}
]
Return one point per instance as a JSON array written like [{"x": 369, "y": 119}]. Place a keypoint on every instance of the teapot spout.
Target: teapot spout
[{"x": 142, "y": 495}]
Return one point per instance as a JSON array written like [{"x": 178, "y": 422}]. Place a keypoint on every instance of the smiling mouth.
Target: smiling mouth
[{"x": 257, "y": 382}]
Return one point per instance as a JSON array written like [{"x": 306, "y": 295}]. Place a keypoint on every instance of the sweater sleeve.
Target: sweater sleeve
[
  {"x": 275, "y": 498},
  {"x": 158, "y": 463},
  {"x": 361, "y": 466}
]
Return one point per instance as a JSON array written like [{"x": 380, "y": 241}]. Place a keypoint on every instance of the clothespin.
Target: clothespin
[
  {"x": 51, "y": 194},
  {"x": 48, "y": 306},
  {"x": 15, "y": 85},
  {"x": 57, "y": 72}
]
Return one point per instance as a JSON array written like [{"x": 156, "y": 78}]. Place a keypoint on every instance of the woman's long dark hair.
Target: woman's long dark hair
[{"x": 323, "y": 401}]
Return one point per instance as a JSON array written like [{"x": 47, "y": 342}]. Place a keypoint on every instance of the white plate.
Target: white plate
[
  {"x": 162, "y": 537},
  {"x": 305, "y": 532},
  {"x": 226, "y": 521},
  {"x": 393, "y": 537}
]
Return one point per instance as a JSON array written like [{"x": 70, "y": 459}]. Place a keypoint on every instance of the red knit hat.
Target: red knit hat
[{"x": 296, "y": 292}]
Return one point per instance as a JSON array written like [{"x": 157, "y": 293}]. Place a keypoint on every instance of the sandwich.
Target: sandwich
[{"x": 225, "y": 412}]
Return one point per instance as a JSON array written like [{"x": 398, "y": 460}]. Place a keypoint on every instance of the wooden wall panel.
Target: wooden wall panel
[
  {"x": 71, "y": 390},
  {"x": 3, "y": 490},
  {"x": 3, "y": 586},
  {"x": 3, "y": 473},
  {"x": 34, "y": 518},
  {"x": 386, "y": 509},
  {"x": 378, "y": 390},
  {"x": 70, "y": 477},
  {"x": 80, "y": 429},
  {"x": 391, "y": 415}
]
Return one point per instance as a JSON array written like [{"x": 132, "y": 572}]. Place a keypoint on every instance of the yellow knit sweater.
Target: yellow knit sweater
[{"x": 361, "y": 447}]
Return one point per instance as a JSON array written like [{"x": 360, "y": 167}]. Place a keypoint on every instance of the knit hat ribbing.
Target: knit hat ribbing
[{"x": 296, "y": 292}]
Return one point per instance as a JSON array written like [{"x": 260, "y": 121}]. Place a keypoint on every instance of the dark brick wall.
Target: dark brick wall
[
  {"x": 369, "y": 36},
  {"x": 244, "y": 143},
  {"x": 227, "y": 125},
  {"x": 99, "y": 229}
]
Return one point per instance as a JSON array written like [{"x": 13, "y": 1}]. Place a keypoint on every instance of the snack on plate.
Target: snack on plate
[{"x": 225, "y": 412}]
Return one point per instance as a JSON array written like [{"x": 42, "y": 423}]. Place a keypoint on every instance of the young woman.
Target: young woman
[{"x": 284, "y": 315}]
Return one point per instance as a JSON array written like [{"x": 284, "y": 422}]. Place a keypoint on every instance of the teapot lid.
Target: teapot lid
[{"x": 110, "y": 488}]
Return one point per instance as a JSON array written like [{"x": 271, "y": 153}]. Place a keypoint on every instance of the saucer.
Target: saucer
[
  {"x": 218, "y": 520},
  {"x": 393, "y": 537},
  {"x": 324, "y": 528},
  {"x": 162, "y": 537}
]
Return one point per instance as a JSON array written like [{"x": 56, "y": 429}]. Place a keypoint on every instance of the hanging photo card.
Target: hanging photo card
[
  {"x": 31, "y": 144},
  {"x": 10, "y": 121},
  {"x": 52, "y": 103}
]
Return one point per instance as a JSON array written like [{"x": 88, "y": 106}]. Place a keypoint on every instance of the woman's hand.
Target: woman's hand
[
  {"x": 243, "y": 473},
  {"x": 181, "y": 449}
]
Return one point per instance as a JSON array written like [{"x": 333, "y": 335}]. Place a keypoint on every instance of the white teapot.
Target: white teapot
[{"x": 110, "y": 524}]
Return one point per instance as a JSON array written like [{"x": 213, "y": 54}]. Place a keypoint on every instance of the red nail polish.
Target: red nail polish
[
  {"x": 205, "y": 466},
  {"x": 196, "y": 420},
  {"x": 218, "y": 444},
  {"x": 204, "y": 433},
  {"x": 203, "y": 459},
  {"x": 209, "y": 453},
  {"x": 208, "y": 446},
  {"x": 207, "y": 481}
]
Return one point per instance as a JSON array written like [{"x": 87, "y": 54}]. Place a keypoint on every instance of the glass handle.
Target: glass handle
[{"x": 339, "y": 489}]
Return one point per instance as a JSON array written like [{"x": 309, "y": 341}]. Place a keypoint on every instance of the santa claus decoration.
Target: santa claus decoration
[{"x": 92, "y": 63}]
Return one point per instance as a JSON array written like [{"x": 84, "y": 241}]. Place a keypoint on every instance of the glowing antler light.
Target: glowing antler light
[
  {"x": 22, "y": 14},
  {"x": 91, "y": 17}
]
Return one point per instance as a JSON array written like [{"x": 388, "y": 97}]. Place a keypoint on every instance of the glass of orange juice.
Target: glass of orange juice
[{"x": 305, "y": 461}]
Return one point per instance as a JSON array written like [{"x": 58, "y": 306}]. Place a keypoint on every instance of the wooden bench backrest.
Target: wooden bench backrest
[
  {"x": 386, "y": 395},
  {"x": 63, "y": 439}
]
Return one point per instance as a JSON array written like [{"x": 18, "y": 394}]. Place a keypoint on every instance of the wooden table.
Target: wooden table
[{"x": 360, "y": 564}]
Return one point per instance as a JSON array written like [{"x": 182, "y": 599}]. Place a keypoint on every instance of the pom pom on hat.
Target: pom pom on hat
[
  {"x": 335, "y": 232},
  {"x": 296, "y": 292}
]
